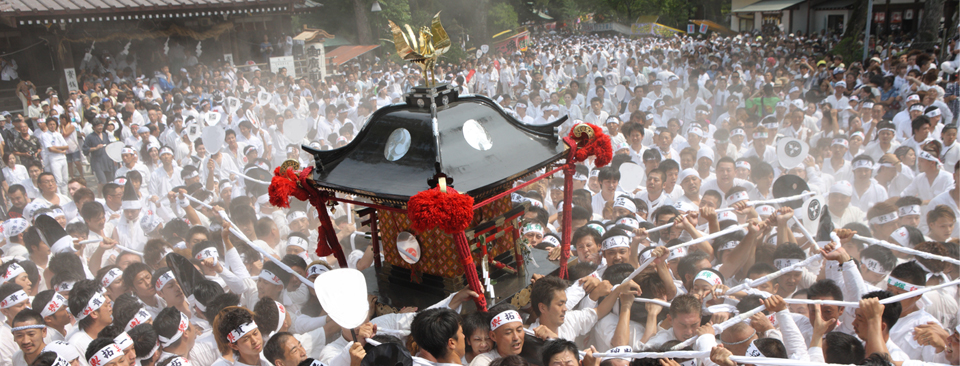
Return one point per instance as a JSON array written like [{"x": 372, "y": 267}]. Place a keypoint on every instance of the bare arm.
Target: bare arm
[
  {"x": 621, "y": 336},
  {"x": 742, "y": 252}
]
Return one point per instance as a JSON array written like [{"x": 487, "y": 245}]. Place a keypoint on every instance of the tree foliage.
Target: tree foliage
[{"x": 502, "y": 17}]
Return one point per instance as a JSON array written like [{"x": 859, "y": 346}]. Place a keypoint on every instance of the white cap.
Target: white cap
[
  {"x": 689, "y": 172},
  {"x": 842, "y": 187}
]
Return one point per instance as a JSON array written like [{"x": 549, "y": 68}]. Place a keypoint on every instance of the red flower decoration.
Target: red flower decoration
[
  {"x": 452, "y": 211},
  {"x": 285, "y": 184},
  {"x": 591, "y": 141}
]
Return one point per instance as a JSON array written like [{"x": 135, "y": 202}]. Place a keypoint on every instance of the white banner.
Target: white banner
[{"x": 285, "y": 62}]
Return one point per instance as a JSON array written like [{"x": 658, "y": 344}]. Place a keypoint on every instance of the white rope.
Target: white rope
[
  {"x": 752, "y": 203},
  {"x": 247, "y": 177},
  {"x": 117, "y": 247},
  {"x": 652, "y": 301},
  {"x": 898, "y": 248},
  {"x": 240, "y": 234},
  {"x": 706, "y": 354},
  {"x": 669, "y": 354},
  {"x": 719, "y": 328},
  {"x": 125, "y": 249},
  {"x": 759, "y": 281},
  {"x": 709, "y": 237},
  {"x": 777, "y": 361}
]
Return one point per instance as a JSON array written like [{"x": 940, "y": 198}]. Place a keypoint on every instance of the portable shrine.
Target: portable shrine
[{"x": 436, "y": 174}]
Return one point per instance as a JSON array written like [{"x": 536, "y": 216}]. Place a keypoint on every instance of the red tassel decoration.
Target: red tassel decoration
[
  {"x": 591, "y": 142},
  {"x": 285, "y": 184},
  {"x": 452, "y": 212}
]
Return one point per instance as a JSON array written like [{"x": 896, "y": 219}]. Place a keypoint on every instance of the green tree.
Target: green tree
[
  {"x": 929, "y": 25},
  {"x": 502, "y": 17}
]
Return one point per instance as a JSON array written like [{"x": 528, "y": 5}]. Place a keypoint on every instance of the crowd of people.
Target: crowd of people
[{"x": 85, "y": 281}]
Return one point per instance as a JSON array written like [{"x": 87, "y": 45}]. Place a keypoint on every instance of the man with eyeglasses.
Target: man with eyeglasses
[{"x": 49, "y": 195}]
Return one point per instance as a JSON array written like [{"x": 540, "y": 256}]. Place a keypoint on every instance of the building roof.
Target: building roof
[
  {"x": 833, "y": 5},
  {"x": 767, "y": 5},
  {"x": 182, "y": 8},
  {"x": 342, "y": 54},
  {"x": 310, "y": 35}
]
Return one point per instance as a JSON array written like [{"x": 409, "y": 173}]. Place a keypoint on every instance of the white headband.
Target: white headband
[
  {"x": 297, "y": 241},
  {"x": 532, "y": 228},
  {"x": 13, "y": 299},
  {"x": 209, "y": 252},
  {"x": 111, "y": 276},
  {"x": 863, "y": 163},
  {"x": 760, "y": 135},
  {"x": 729, "y": 245},
  {"x": 753, "y": 351},
  {"x": 927, "y": 156},
  {"x": 54, "y": 305},
  {"x": 874, "y": 266},
  {"x": 142, "y": 316},
  {"x": 95, "y": 302},
  {"x": 841, "y": 142},
  {"x": 737, "y": 197},
  {"x": 616, "y": 241},
  {"x": 60, "y": 362},
  {"x": 123, "y": 340},
  {"x": 677, "y": 253},
  {"x": 505, "y": 317},
  {"x": 883, "y": 219},
  {"x": 164, "y": 279},
  {"x": 552, "y": 240},
  {"x": 13, "y": 271},
  {"x": 903, "y": 285},
  {"x": 933, "y": 113},
  {"x": 64, "y": 286},
  {"x": 709, "y": 277},
  {"x": 27, "y": 327},
  {"x": 628, "y": 221},
  {"x": 742, "y": 164},
  {"x": 182, "y": 327},
  {"x": 296, "y": 215},
  {"x": 106, "y": 354},
  {"x": 131, "y": 205},
  {"x": 178, "y": 361},
  {"x": 282, "y": 312},
  {"x": 241, "y": 331},
  {"x": 579, "y": 177},
  {"x": 909, "y": 210},
  {"x": 316, "y": 269},
  {"x": 786, "y": 262},
  {"x": 150, "y": 354},
  {"x": 625, "y": 203},
  {"x": 270, "y": 277},
  {"x": 901, "y": 236}
]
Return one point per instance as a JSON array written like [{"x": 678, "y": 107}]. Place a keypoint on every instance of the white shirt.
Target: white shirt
[
  {"x": 942, "y": 199},
  {"x": 901, "y": 335},
  {"x": 17, "y": 175},
  {"x": 922, "y": 188},
  {"x": 79, "y": 339},
  {"x": 161, "y": 183},
  {"x": 603, "y": 333},
  {"x": 575, "y": 323},
  {"x": 874, "y": 193},
  {"x": 711, "y": 184}
]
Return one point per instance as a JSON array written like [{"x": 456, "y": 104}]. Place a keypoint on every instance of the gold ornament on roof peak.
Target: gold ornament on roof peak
[{"x": 424, "y": 50}]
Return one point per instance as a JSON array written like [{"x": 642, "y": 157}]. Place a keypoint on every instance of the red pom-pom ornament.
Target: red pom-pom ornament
[{"x": 451, "y": 211}]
